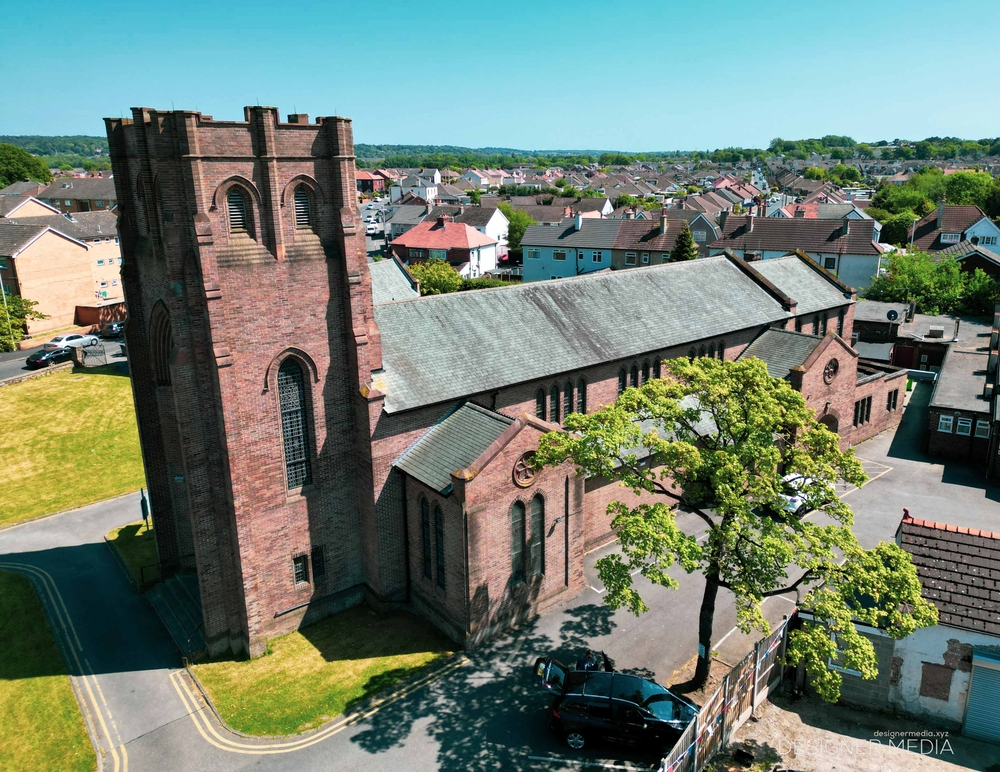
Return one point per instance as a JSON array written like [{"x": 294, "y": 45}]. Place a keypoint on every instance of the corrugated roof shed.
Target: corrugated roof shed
[
  {"x": 447, "y": 347},
  {"x": 452, "y": 444},
  {"x": 781, "y": 350}
]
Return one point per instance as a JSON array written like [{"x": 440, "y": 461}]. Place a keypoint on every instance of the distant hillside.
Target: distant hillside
[{"x": 88, "y": 147}]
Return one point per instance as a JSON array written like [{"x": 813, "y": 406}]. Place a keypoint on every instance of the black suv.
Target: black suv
[
  {"x": 113, "y": 330},
  {"x": 615, "y": 706}
]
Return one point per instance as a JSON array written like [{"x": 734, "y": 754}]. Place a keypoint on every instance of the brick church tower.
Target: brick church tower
[{"x": 252, "y": 342}]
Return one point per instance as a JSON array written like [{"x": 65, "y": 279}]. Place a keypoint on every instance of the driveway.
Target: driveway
[{"x": 483, "y": 714}]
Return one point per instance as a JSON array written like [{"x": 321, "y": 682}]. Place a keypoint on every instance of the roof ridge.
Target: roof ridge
[{"x": 948, "y": 528}]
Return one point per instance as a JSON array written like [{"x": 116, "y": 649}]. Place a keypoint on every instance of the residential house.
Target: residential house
[
  {"x": 971, "y": 256},
  {"x": 846, "y": 248},
  {"x": 575, "y": 246},
  {"x": 421, "y": 187},
  {"x": 24, "y": 206},
  {"x": 950, "y": 225},
  {"x": 81, "y": 194},
  {"x": 369, "y": 182},
  {"x": 488, "y": 220},
  {"x": 478, "y": 178},
  {"x": 403, "y": 218},
  {"x": 468, "y": 251},
  {"x": 814, "y": 210},
  {"x": 24, "y": 188}
]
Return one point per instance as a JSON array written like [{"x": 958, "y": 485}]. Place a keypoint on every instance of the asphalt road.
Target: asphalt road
[
  {"x": 12, "y": 362},
  {"x": 482, "y": 715}
]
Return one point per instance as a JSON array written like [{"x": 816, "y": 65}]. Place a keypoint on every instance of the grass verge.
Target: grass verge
[
  {"x": 316, "y": 673},
  {"x": 137, "y": 547},
  {"x": 67, "y": 440},
  {"x": 42, "y": 724}
]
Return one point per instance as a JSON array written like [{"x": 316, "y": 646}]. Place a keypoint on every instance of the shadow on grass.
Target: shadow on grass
[
  {"x": 119, "y": 367},
  {"x": 137, "y": 548}
]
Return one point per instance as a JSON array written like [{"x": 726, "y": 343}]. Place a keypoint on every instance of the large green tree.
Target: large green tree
[
  {"x": 684, "y": 245},
  {"x": 17, "y": 164},
  {"x": 717, "y": 439},
  {"x": 15, "y": 311},
  {"x": 518, "y": 222},
  {"x": 937, "y": 286},
  {"x": 436, "y": 277}
]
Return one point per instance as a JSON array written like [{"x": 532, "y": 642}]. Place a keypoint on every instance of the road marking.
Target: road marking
[
  {"x": 580, "y": 763},
  {"x": 47, "y": 584},
  {"x": 197, "y": 711}
]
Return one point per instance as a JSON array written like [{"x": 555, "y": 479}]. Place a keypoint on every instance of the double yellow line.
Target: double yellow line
[
  {"x": 198, "y": 711},
  {"x": 69, "y": 642}
]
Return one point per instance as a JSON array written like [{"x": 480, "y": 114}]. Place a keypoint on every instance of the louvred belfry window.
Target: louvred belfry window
[
  {"x": 236, "y": 203},
  {"x": 303, "y": 208},
  {"x": 294, "y": 427}
]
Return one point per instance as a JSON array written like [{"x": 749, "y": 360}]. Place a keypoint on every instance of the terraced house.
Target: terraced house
[{"x": 317, "y": 435}]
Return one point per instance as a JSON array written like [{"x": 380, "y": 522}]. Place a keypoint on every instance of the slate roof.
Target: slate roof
[
  {"x": 452, "y": 444},
  {"x": 959, "y": 570},
  {"x": 595, "y": 233},
  {"x": 879, "y": 352},
  {"x": 645, "y": 234},
  {"x": 955, "y": 219},
  {"x": 84, "y": 225},
  {"x": 431, "y": 234},
  {"x": 781, "y": 350},
  {"x": 798, "y": 280},
  {"x": 81, "y": 188},
  {"x": 14, "y": 237},
  {"x": 476, "y": 216},
  {"x": 966, "y": 247},
  {"x": 8, "y": 203},
  {"x": 809, "y": 235},
  {"x": 407, "y": 214},
  {"x": 23, "y": 188},
  {"x": 446, "y": 347},
  {"x": 391, "y": 281}
]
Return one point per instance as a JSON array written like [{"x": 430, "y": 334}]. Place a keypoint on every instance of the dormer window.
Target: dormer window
[{"x": 951, "y": 238}]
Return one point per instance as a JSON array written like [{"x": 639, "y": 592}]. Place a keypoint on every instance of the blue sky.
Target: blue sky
[{"x": 537, "y": 75}]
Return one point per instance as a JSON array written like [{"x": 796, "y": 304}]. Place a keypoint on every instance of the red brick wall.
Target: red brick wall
[{"x": 954, "y": 445}]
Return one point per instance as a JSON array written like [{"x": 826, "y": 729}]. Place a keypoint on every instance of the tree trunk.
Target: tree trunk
[{"x": 706, "y": 618}]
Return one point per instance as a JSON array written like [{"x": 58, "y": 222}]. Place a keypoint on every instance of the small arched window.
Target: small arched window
[
  {"x": 425, "y": 535},
  {"x": 701, "y": 350},
  {"x": 840, "y": 322},
  {"x": 161, "y": 341},
  {"x": 236, "y": 205},
  {"x": 540, "y": 404},
  {"x": 645, "y": 371},
  {"x": 581, "y": 396},
  {"x": 567, "y": 398},
  {"x": 798, "y": 324},
  {"x": 303, "y": 207},
  {"x": 823, "y": 324},
  {"x": 554, "y": 403},
  {"x": 439, "y": 546},
  {"x": 711, "y": 350},
  {"x": 517, "y": 567},
  {"x": 657, "y": 368},
  {"x": 722, "y": 350},
  {"x": 294, "y": 426},
  {"x": 622, "y": 381},
  {"x": 816, "y": 324},
  {"x": 633, "y": 376},
  {"x": 537, "y": 541}
]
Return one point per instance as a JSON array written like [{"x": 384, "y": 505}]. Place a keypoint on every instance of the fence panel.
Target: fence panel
[
  {"x": 94, "y": 356},
  {"x": 711, "y": 726},
  {"x": 682, "y": 755},
  {"x": 769, "y": 659},
  {"x": 739, "y": 699}
]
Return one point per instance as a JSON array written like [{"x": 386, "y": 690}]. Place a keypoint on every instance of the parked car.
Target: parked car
[
  {"x": 113, "y": 330},
  {"x": 370, "y": 229},
  {"x": 592, "y": 704},
  {"x": 797, "y": 492},
  {"x": 72, "y": 340},
  {"x": 48, "y": 356}
]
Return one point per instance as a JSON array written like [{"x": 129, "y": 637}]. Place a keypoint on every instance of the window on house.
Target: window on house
[
  {"x": 982, "y": 429},
  {"x": 988, "y": 241},
  {"x": 701, "y": 350},
  {"x": 116, "y": 239},
  {"x": 822, "y": 324},
  {"x": 829, "y": 263},
  {"x": 645, "y": 371},
  {"x": 964, "y": 427},
  {"x": 630, "y": 258},
  {"x": 517, "y": 569},
  {"x": 692, "y": 353},
  {"x": 438, "y": 254},
  {"x": 303, "y": 207},
  {"x": 946, "y": 423},
  {"x": 104, "y": 284},
  {"x": 567, "y": 398},
  {"x": 657, "y": 368},
  {"x": 951, "y": 238},
  {"x": 633, "y": 376},
  {"x": 699, "y": 235},
  {"x": 300, "y": 567},
  {"x": 3, "y": 263},
  {"x": 558, "y": 254},
  {"x": 439, "y": 546},
  {"x": 665, "y": 257},
  {"x": 840, "y": 322},
  {"x": 597, "y": 256},
  {"x": 537, "y": 541},
  {"x": 294, "y": 428},
  {"x": 581, "y": 396},
  {"x": 100, "y": 262},
  {"x": 319, "y": 563},
  {"x": 534, "y": 254},
  {"x": 67, "y": 202},
  {"x": 98, "y": 203},
  {"x": 890, "y": 400},
  {"x": 425, "y": 535},
  {"x": 554, "y": 403},
  {"x": 645, "y": 258},
  {"x": 419, "y": 253},
  {"x": 798, "y": 324},
  {"x": 816, "y": 324},
  {"x": 622, "y": 381},
  {"x": 114, "y": 282},
  {"x": 236, "y": 204},
  {"x": 711, "y": 350},
  {"x": 540, "y": 404},
  {"x": 722, "y": 350},
  {"x": 862, "y": 411}
]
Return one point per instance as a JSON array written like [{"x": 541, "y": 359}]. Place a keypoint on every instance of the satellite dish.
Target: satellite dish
[{"x": 892, "y": 315}]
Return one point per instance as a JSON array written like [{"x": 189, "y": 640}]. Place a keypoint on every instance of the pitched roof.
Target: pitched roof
[
  {"x": 776, "y": 233},
  {"x": 594, "y": 233},
  {"x": 476, "y": 216},
  {"x": 560, "y": 326},
  {"x": 435, "y": 234},
  {"x": 965, "y": 248},
  {"x": 82, "y": 225},
  {"x": 9, "y": 204},
  {"x": 452, "y": 444},
  {"x": 645, "y": 234},
  {"x": 391, "y": 281},
  {"x": 796, "y": 276},
  {"x": 14, "y": 237},
  {"x": 959, "y": 570},
  {"x": 81, "y": 188},
  {"x": 23, "y": 188},
  {"x": 955, "y": 219},
  {"x": 782, "y": 350}
]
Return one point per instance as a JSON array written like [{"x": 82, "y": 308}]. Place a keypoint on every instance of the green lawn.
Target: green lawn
[
  {"x": 68, "y": 439},
  {"x": 137, "y": 548},
  {"x": 316, "y": 673},
  {"x": 42, "y": 724}
]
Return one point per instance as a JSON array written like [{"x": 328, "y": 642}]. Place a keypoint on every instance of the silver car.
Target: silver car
[{"x": 72, "y": 340}]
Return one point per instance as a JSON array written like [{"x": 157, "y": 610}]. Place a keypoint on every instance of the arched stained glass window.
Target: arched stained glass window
[{"x": 294, "y": 424}]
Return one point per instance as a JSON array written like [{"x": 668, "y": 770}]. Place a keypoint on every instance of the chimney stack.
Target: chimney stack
[
  {"x": 723, "y": 216},
  {"x": 567, "y": 212},
  {"x": 940, "y": 215},
  {"x": 663, "y": 221},
  {"x": 298, "y": 118},
  {"x": 579, "y": 221},
  {"x": 442, "y": 219},
  {"x": 800, "y": 212},
  {"x": 750, "y": 223}
]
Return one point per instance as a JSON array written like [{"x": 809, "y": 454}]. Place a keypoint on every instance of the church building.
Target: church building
[{"x": 316, "y": 435}]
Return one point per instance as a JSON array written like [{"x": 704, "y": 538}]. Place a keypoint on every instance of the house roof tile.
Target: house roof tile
[
  {"x": 782, "y": 350},
  {"x": 435, "y": 234},
  {"x": 81, "y": 188},
  {"x": 955, "y": 219},
  {"x": 809, "y": 235}
]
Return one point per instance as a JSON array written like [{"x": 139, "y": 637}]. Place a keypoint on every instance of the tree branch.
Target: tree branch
[{"x": 793, "y": 586}]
